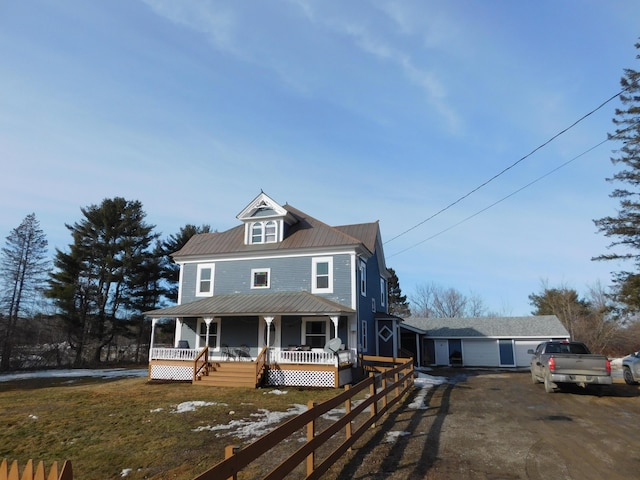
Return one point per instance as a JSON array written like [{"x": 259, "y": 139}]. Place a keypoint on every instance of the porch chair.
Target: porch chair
[{"x": 227, "y": 353}]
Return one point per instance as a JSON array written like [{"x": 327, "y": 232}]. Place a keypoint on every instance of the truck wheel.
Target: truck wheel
[
  {"x": 534, "y": 379},
  {"x": 628, "y": 376},
  {"x": 549, "y": 386}
]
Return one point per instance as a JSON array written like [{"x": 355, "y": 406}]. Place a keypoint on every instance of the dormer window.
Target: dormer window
[{"x": 264, "y": 232}]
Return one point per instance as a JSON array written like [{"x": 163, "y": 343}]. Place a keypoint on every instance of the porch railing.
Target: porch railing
[
  {"x": 273, "y": 355},
  {"x": 314, "y": 357},
  {"x": 186, "y": 354}
]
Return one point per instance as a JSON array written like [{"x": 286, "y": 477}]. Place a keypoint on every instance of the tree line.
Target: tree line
[{"x": 115, "y": 268}]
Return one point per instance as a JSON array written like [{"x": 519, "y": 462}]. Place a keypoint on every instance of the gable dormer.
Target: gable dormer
[{"x": 265, "y": 221}]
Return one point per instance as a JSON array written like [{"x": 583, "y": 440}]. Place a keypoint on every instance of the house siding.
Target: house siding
[{"x": 287, "y": 274}]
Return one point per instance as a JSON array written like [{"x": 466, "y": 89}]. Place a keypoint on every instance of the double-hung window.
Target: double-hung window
[
  {"x": 363, "y": 278},
  {"x": 322, "y": 273},
  {"x": 383, "y": 292},
  {"x": 264, "y": 232},
  {"x": 260, "y": 277},
  {"x": 204, "y": 280},
  {"x": 315, "y": 333},
  {"x": 214, "y": 328}
]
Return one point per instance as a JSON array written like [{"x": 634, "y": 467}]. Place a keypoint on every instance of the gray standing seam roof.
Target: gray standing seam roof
[
  {"x": 250, "y": 304},
  {"x": 547, "y": 326}
]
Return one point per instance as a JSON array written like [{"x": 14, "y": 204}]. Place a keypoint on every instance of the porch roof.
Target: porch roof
[{"x": 287, "y": 303}]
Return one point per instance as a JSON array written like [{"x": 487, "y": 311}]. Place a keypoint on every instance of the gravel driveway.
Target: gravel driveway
[{"x": 498, "y": 425}]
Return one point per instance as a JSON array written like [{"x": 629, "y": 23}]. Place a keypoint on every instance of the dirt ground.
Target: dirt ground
[{"x": 499, "y": 425}]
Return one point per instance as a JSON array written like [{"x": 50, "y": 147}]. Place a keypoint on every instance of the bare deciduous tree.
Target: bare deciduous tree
[{"x": 435, "y": 301}]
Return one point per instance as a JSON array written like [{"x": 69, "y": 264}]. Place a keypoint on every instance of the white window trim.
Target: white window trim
[
  {"x": 327, "y": 328},
  {"x": 363, "y": 278},
  {"x": 199, "y": 341},
  {"x": 314, "y": 273},
  {"x": 263, "y": 231},
  {"x": 201, "y": 267},
  {"x": 253, "y": 278}
]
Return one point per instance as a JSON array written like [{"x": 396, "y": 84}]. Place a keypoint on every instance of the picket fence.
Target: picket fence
[
  {"x": 28, "y": 472},
  {"x": 388, "y": 381}
]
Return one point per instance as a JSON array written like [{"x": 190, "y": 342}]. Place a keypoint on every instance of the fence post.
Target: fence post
[
  {"x": 372, "y": 393},
  {"x": 347, "y": 411},
  {"x": 311, "y": 429},
  {"x": 384, "y": 387},
  {"x": 396, "y": 379},
  {"x": 230, "y": 451}
]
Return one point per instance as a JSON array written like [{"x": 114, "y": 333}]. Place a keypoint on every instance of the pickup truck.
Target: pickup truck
[
  {"x": 631, "y": 368},
  {"x": 563, "y": 362}
]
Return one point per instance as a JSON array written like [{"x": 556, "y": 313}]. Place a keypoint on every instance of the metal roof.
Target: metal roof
[
  {"x": 288, "y": 303},
  {"x": 541, "y": 326},
  {"x": 306, "y": 232}
]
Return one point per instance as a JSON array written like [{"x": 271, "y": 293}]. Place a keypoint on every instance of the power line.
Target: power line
[
  {"x": 508, "y": 168},
  {"x": 502, "y": 199}
]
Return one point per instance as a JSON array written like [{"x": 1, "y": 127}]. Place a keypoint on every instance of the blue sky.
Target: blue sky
[{"x": 350, "y": 111}]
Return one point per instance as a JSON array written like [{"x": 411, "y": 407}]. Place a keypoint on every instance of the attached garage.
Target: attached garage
[{"x": 478, "y": 341}]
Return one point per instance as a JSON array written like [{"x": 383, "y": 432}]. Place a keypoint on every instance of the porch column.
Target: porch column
[
  {"x": 268, "y": 321},
  {"x": 334, "y": 319},
  {"x": 208, "y": 321},
  {"x": 153, "y": 334},
  {"x": 178, "y": 335}
]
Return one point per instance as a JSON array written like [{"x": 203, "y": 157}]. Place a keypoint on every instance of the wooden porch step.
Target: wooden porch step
[{"x": 230, "y": 374}]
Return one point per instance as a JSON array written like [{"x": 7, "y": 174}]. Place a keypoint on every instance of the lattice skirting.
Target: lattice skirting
[
  {"x": 300, "y": 378},
  {"x": 171, "y": 372}
]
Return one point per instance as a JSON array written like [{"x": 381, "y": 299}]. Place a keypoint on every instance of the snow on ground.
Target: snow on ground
[
  {"x": 76, "y": 373},
  {"x": 193, "y": 405},
  {"x": 392, "y": 437},
  {"x": 262, "y": 422},
  {"x": 425, "y": 383}
]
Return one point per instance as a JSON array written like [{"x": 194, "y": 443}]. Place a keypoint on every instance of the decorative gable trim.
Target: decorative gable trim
[{"x": 262, "y": 207}]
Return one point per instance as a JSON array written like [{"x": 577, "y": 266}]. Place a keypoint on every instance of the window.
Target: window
[
  {"x": 322, "y": 268},
  {"x": 315, "y": 333},
  {"x": 256, "y": 233},
  {"x": 264, "y": 232},
  {"x": 363, "y": 278},
  {"x": 383, "y": 292},
  {"x": 204, "y": 282},
  {"x": 213, "y": 334},
  {"x": 260, "y": 277},
  {"x": 363, "y": 333},
  {"x": 270, "y": 232}
]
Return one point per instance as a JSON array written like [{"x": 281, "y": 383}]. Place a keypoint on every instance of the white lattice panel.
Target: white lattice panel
[
  {"x": 300, "y": 378},
  {"x": 171, "y": 372}
]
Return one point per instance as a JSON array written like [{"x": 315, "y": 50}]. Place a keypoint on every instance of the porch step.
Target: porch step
[{"x": 230, "y": 374}]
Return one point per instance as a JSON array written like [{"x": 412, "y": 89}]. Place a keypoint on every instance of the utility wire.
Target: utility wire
[
  {"x": 508, "y": 168},
  {"x": 613, "y": 137},
  {"x": 500, "y": 201}
]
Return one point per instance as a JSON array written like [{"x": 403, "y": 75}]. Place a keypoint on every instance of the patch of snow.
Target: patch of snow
[
  {"x": 193, "y": 405},
  {"x": 424, "y": 382},
  {"x": 392, "y": 437},
  {"x": 262, "y": 422},
  {"x": 156, "y": 410},
  {"x": 276, "y": 392},
  {"x": 33, "y": 417},
  {"x": 125, "y": 472},
  {"x": 76, "y": 373}
]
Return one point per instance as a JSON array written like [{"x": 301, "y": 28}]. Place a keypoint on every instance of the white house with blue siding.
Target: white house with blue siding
[{"x": 282, "y": 290}]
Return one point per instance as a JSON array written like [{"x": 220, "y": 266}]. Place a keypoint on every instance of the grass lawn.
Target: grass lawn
[{"x": 132, "y": 428}]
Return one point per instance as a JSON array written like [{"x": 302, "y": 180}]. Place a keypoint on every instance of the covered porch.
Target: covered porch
[{"x": 295, "y": 339}]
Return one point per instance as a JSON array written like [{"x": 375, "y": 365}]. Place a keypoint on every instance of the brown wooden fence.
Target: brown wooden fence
[
  {"x": 385, "y": 389},
  {"x": 28, "y": 472}
]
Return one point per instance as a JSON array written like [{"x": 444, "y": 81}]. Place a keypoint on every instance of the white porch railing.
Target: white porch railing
[
  {"x": 313, "y": 357},
  {"x": 275, "y": 355},
  {"x": 186, "y": 354}
]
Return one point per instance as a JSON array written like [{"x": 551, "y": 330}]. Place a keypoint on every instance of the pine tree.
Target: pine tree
[
  {"x": 624, "y": 228},
  {"x": 398, "y": 304},
  {"x": 23, "y": 266},
  {"x": 95, "y": 285}
]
